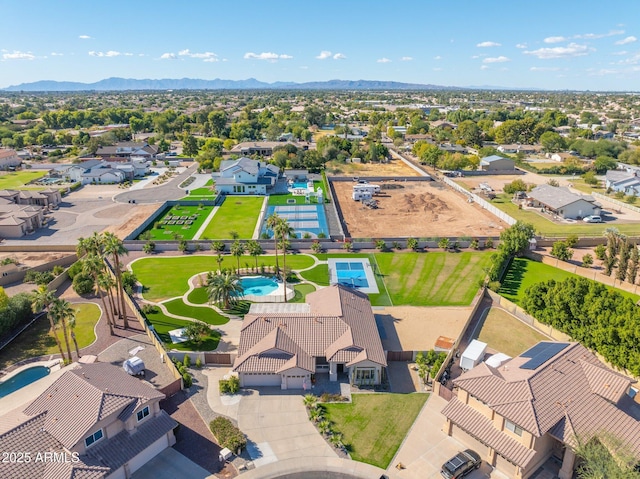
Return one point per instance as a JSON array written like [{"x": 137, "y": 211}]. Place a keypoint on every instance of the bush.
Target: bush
[
  {"x": 198, "y": 363},
  {"x": 187, "y": 360},
  {"x": 57, "y": 270},
  {"x": 149, "y": 309},
  {"x": 412, "y": 244},
  {"x": 587, "y": 261},
  {"x": 494, "y": 286},
  {"x": 515, "y": 186},
  {"x": 397, "y": 245},
  {"x": 149, "y": 247},
  {"x": 326, "y": 397},
  {"x": 322, "y": 235},
  {"x": 229, "y": 386},
  {"x": 227, "y": 434},
  {"x": 488, "y": 243},
  {"x": 474, "y": 244},
  {"x": 187, "y": 380},
  {"x": 82, "y": 284},
  {"x": 38, "y": 277}
]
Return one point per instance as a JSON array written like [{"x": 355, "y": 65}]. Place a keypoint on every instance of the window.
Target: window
[
  {"x": 95, "y": 437},
  {"x": 144, "y": 412},
  {"x": 508, "y": 425}
]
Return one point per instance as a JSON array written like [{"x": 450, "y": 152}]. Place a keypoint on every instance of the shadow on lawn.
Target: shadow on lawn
[{"x": 513, "y": 278}]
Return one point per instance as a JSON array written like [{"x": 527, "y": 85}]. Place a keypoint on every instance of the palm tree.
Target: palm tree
[
  {"x": 63, "y": 312},
  {"x": 237, "y": 250},
  {"x": 272, "y": 222},
  {"x": 114, "y": 246},
  {"x": 59, "y": 309},
  {"x": 224, "y": 288},
  {"x": 285, "y": 231},
  {"x": 42, "y": 300},
  {"x": 107, "y": 283},
  {"x": 255, "y": 250},
  {"x": 95, "y": 267}
]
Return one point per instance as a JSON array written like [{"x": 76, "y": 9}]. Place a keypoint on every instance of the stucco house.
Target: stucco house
[
  {"x": 245, "y": 176},
  {"x": 623, "y": 180},
  {"x": 334, "y": 332},
  {"x": 18, "y": 220},
  {"x": 495, "y": 162},
  {"x": 536, "y": 407},
  {"x": 9, "y": 159},
  {"x": 45, "y": 198},
  {"x": 264, "y": 148},
  {"x": 100, "y": 422},
  {"x": 91, "y": 172},
  {"x": 562, "y": 202},
  {"x": 128, "y": 149}
]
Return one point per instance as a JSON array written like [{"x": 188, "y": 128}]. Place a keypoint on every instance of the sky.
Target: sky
[{"x": 552, "y": 45}]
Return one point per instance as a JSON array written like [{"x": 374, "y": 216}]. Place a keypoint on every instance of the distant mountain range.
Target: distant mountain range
[{"x": 122, "y": 84}]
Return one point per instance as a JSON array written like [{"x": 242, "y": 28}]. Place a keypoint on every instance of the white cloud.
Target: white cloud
[
  {"x": 18, "y": 55},
  {"x": 56, "y": 54},
  {"x": 324, "y": 54},
  {"x": 168, "y": 56},
  {"x": 603, "y": 72},
  {"x": 110, "y": 53},
  {"x": 555, "y": 39},
  {"x": 437, "y": 57},
  {"x": 406, "y": 59},
  {"x": 544, "y": 69},
  {"x": 205, "y": 56},
  {"x": 620, "y": 53},
  {"x": 383, "y": 60},
  {"x": 571, "y": 50},
  {"x": 500, "y": 59},
  {"x": 484, "y": 67},
  {"x": 84, "y": 37},
  {"x": 592, "y": 36},
  {"x": 488, "y": 44},
  {"x": 339, "y": 56},
  {"x": 627, "y": 40},
  {"x": 521, "y": 45},
  {"x": 269, "y": 56},
  {"x": 437, "y": 69}
]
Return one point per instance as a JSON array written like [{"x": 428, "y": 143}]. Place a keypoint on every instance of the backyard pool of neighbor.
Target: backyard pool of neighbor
[{"x": 22, "y": 379}]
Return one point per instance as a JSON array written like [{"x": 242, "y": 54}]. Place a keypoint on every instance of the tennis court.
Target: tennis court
[
  {"x": 353, "y": 272},
  {"x": 302, "y": 218}
]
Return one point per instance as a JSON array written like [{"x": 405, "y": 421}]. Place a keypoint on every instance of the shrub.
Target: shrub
[
  {"x": 397, "y": 245},
  {"x": 587, "y": 261},
  {"x": 474, "y": 244},
  {"x": 348, "y": 246},
  {"x": 494, "y": 286},
  {"x": 322, "y": 235},
  {"x": 572, "y": 241},
  {"x": 412, "y": 244},
  {"x": 187, "y": 360},
  {"x": 488, "y": 243},
  {"x": 327, "y": 397},
  {"x": 149, "y": 247},
  {"x": 57, "y": 270},
  {"x": 381, "y": 245},
  {"x": 187, "y": 380},
  {"x": 38, "y": 277},
  {"x": 198, "y": 363},
  {"x": 182, "y": 370},
  {"x": 82, "y": 284},
  {"x": 149, "y": 309},
  {"x": 600, "y": 251},
  {"x": 444, "y": 243},
  {"x": 229, "y": 386},
  {"x": 227, "y": 434}
]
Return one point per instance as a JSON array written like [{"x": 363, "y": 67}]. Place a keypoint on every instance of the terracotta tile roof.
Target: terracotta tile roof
[
  {"x": 481, "y": 427},
  {"x": 572, "y": 392},
  {"x": 339, "y": 326}
]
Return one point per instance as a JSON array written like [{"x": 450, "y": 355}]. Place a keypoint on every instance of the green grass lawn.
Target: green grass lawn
[
  {"x": 163, "y": 324},
  {"x": 318, "y": 274},
  {"x": 237, "y": 213},
  {"x": 17, "y": 179},
  {"x": 36, "y": 341},
  {"x": 165, "y": 278},
  {"x": 546, "y": 227},
  {"x": 280, "y": 200},
  {"x": 524, "y": 272},
  {"x": 166, "y": 232},
  {"x": 301, "y": 292},
  {"x": 203, "y": 313},
  {"x": 199, "y": 296},
  {"x": 374, "y": 425},
  {"x": 505, "y": 333},
  {"x": 435, "y": 278}
]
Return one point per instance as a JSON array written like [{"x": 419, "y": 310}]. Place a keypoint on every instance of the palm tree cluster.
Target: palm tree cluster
[
  {"x": 224, "y": 287},
  {"x": 282, "y": 232},
  {"x": 95, "y": 249},
  {"x": 60, "y": 313}
]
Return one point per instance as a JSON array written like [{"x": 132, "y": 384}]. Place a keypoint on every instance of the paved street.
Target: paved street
[{"x": 158, "y": 194}]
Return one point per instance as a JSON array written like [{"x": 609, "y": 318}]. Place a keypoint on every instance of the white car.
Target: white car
[{"x": 592, "y": 219}]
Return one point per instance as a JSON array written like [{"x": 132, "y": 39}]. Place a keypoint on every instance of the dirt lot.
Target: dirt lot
[
  {"x": 130, "y": 217},
  {"x": 392, "y": 168},
  {"x": 420, "y": 209}
]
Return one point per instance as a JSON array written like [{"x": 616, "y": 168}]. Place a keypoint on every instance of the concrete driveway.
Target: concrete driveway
[
  {"x": 427, "y": 447},
  {"x": 277, "y": 426},
  {"x": 170, "y": 464}
]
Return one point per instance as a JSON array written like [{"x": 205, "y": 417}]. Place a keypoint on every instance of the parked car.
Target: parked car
[
  {"x": 592, "y": 219},
  {"x": 461, "y": 464}
]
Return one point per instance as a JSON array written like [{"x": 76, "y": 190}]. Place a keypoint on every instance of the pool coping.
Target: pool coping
[
  {"x": 368, "y": 270},
  {"x": 53, "y": 365},
  {"x": 274, "y": 296}
]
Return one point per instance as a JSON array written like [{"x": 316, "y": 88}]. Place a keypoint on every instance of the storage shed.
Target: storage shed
[{"x": 473, "y": 355}]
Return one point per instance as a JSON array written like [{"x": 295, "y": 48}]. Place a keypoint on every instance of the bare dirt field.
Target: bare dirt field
[
  {"x": 420, "y": 209},
  {"x": 33, "y": 259},
  {"x": 131, "y": 217},
  {"x": 392, "y": 168}
]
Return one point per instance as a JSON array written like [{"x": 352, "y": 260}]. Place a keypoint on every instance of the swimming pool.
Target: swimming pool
[
  {"x": 300, "y": 185},
  {"x": 22, "y": 379},
  {"x": 258, "y": 285}
]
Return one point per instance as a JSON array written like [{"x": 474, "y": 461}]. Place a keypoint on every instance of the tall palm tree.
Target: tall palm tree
[
  {"x": 255, "y": 249},
  {"x": 272, "y": 222},
  {"x": 114, "y": 246},
  {"x": 284, "y": 231},
  {"x": 224, "y": 288},
  {"x": 237, "y": 250},
  {"x": 107, "y": 283},
  {"x": 59, "y": 309},
  {"x": 42, "y": 300},
  {"x": 95, "y": 267},
  {"x": 63, "y": 311}
]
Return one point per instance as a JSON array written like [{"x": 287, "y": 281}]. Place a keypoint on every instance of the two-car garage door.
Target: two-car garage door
[{"x": 252, "y": 379}]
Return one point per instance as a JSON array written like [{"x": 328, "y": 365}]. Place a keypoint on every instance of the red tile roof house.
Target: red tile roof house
[
  {"x": 537, "y": 405},
  {"x": 335, "y": 331},
  {"x": 100, "y": 422}
]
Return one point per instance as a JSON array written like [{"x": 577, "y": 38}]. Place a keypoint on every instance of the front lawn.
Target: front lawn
[
  {"x": 36, "y": 341},
  {"x": 507, "y": 334},
  {"x": 236, "y": 214},
  {"x": 374, "y": 425},
  {"x": 163, "y": 324},
  {"x": 164, "y": 278},
  {"x": 202, "y": 313},
  {"x": 524, "y": 272},
  {"x": 434, "y": 278},
  {"x": 181, "y": 220},
  {"x": 17, "y": 179}
]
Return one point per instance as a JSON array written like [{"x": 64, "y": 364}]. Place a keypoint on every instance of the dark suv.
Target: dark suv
[{"x": 461, "y": 464}]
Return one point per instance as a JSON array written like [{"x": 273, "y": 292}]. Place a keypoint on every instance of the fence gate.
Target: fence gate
[
  {"x": 217, "y": 358},
  {"x": 400, "y": 356}
]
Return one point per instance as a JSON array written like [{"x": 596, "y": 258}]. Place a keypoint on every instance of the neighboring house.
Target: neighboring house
[
  {"x": 45, "y": 198},
  {"x": 562, "y": 202},
  {"x": 284, "y": 344},
  {"x": 449, "y": 148},
  {"x": 623, "y": 180},
  {"x": 263, "y": 148},
  {"x": 419, "y": 136},
  {"x": 246, "y": 177},
  {"x": 92, "y": 172},
  {"x": 128, "y": 149},
  {"x": 443, "y": 124},
  {"x": 296, "y": 175},
  {"x": 525, "y": 149},
  {"x": 495, "y": 162},
  {"x": 538, "y": 405},
  {"x": 603, "y": 135},
  {"x": 17, "y": 220},
  {"x": 9, "y": 159},
  {"x": 103, "y": 422},
  {"x": 564, "y": 156}
]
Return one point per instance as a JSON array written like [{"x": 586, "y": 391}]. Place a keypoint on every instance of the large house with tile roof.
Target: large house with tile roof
[
  {"x": 245, "y": 176},
  {"x": 95, "y": 422},
  {"x": 9, "y": 159},
  {"x": 538, "y": 405},
  {"x": 560, "y": 201},
  {"x": 334, "y": 332}
]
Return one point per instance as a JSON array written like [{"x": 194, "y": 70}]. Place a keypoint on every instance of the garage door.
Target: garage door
[
  {"x": 249, "y": 379},
  {"x": 148, "y": 454},
  {"x": 505, "y": 466},
  {"x": 470, "y": 442},
  {"x": 295, "y": 382}
]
